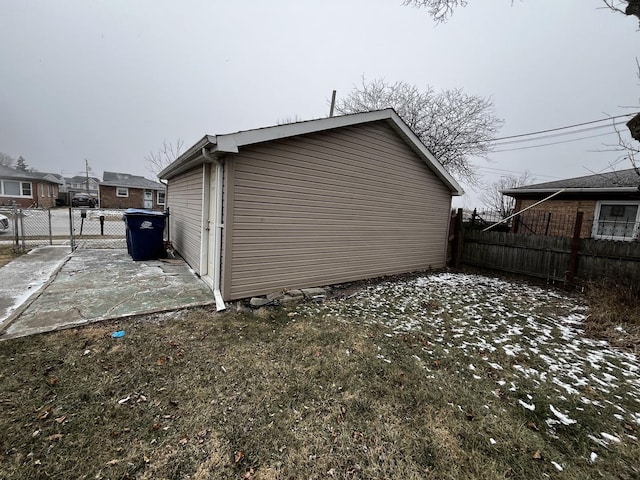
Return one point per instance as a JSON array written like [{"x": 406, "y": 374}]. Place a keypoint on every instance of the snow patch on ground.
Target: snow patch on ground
[{"x": 521, "y": 335}]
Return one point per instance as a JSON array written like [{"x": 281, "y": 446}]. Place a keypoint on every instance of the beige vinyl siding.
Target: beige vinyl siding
[
  {"x": 332, "y": 207},
  {"x": 184, "y": 199}
]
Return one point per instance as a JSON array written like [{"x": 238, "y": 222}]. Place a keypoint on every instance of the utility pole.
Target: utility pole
[
  {"x": 333, "y": 103},
  {"x": 86, "y": 170}
]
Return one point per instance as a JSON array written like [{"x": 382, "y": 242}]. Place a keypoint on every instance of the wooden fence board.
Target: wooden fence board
[{"x": 548, "y": 257}]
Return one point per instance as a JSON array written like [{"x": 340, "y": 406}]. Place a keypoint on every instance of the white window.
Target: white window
[
  {"x": 122, "y": 192},
  {"x": 11, "y": 188},
  {"x": 161, "y": 197},
  {"x": 616, "y": 220}
]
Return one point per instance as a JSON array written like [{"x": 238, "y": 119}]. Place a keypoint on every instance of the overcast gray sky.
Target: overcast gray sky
[{"x": 110, "y": 80}]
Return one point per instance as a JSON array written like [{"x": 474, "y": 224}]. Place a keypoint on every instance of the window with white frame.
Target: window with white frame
[
  {"x": 161, "y": 198},
  {"x": 616, "y": 220},
  {"x": 122, "y": 192},
  {"x": 13, "y": 188}
]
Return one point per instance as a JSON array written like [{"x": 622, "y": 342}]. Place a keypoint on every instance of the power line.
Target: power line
[
  {"x": 564, "y": 128},
  {"x": 554, "y": 135},
  {"x": 530, "y": 134},
  {"x": 552, "y": 143},
  {"x": 502, "y": 170}
]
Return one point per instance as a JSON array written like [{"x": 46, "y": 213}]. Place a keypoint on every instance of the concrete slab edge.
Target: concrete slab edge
[
  {"x": 91, "y": 321},
  {"x": 32, "y": 298}
]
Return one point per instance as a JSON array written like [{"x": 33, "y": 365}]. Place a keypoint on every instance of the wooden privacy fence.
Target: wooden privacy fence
[{"x": 560, "y": 259}]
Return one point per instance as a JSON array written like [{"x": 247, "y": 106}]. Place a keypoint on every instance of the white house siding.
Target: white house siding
[
  {"x": 331, "y": 207},
  {"x": 184, "y": 199}
]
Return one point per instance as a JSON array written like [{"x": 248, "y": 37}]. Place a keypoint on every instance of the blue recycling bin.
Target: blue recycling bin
[{"x": 145, "y": 233}]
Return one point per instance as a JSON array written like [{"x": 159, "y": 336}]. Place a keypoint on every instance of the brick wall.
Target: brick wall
[
  {"x": 109, "y": 199},
  {"x": 43, "y": 195},
  {"x": 561, "y": 220}
]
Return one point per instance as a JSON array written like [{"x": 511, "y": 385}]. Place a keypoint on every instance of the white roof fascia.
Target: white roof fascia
[
  {"x": 572, "y": 190},
  {"x": 188, "y": 159},
  {"x": 249, "y": 137},
  {"x": 226, "y": 144}
]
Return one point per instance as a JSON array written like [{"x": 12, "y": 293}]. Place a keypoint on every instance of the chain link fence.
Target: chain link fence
[
  {"x": 97, "y": 228},
  {"x": 101, "y": 228},
  {"x": 533, "y": 222},
  {"x": 25, "y": 228}
]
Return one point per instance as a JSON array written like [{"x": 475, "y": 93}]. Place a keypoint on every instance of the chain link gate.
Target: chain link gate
[
  {"x": 27, "y": 227},
  {"x": 101, "y": 228},
  {"x": 97, "y": 228}
]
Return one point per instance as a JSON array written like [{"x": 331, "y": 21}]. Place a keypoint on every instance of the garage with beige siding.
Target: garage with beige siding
[
  {"x": 184, "y": 196},
  {"x": 316, "y": 203}
]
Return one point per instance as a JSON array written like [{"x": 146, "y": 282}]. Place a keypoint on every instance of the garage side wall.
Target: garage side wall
[
  {"x": 325, "y": 208},
  {"x": 184, "y": 199}
]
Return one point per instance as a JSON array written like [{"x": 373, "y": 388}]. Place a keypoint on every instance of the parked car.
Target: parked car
[
  {"x": 4, "y": 222},
  {"x": 83, "y": 200}
]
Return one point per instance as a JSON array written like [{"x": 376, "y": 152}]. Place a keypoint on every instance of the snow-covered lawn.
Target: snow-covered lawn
[{"x": 528, "y": 340}]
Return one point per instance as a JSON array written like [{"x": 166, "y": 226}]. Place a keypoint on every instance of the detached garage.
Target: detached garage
[{"x": 309, "y": 204}]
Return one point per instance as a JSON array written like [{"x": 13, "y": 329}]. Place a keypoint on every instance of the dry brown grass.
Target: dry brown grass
[
  {"x": 614, "y": 314},
  {"x": 206, "y": 396},
  {"x": 6, "y": 254}
]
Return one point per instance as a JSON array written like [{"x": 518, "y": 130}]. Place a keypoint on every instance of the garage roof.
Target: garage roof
[{"x": 230, "y": 143}]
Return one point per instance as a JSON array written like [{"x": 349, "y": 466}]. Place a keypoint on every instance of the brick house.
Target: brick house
[
  {"x": 122, "y": 190},
  {"x": 28, "y": 189},
  {"x": 610, "y": 203}
]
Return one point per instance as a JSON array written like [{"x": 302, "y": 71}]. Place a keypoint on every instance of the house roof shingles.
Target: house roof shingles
[
  {"x": 115, "y": 179},
  {"x": 14, "y": 173},
  {"x": 613, "y": 181}
]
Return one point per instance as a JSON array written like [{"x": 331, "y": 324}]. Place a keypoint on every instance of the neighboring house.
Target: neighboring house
[
  {"x": 310, "y": 203},
  {"x": 78, "y": 184},
  {"x": 611, "y": 199},
  {"x": 28, "y": 189},
  {"x": 121, "y": 190}
]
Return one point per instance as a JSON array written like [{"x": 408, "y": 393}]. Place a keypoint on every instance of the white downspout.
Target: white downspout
[{"x": 217, "y": 237}]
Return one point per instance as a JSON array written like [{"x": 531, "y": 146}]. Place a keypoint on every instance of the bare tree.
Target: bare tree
[
  {"x": 288, "y": 120},
  {"x": 628, "y": 149},
  {"x": 165, "y": 155},
  {"x": 452, "y": 124},
  {"x": 496, "y": 201},
  {"x": 6, "y": 160},
  {"x": 631, "y": 7},
  {"x": 442, "y": 10}
]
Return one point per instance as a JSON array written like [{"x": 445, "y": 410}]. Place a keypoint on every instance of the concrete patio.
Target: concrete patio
[{"x": 49, "y": 289}]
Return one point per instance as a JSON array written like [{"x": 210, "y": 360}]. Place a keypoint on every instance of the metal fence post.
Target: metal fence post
[
  {"x": 50, "y": 227},
  {"x": 166, "y": 222},
  {"x": 22, "y": 235},
  {"x": 16, "y": 238},
  {"x": 71, "y": 238}
]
